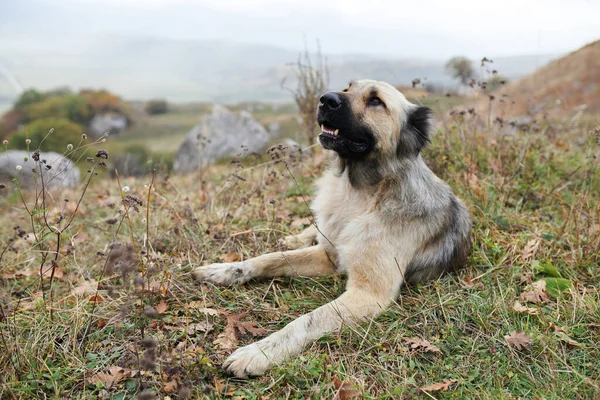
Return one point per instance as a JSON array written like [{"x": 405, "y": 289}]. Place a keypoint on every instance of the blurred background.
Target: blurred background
[{"x": 147, "y": 71}]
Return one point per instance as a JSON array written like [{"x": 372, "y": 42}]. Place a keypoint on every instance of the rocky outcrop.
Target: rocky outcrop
[
  {"x": 56, "y": 170},
  {"x": 221, "y": 134}
]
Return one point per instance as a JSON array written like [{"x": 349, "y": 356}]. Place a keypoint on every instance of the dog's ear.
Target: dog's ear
[{"x": 416, "y": 132}]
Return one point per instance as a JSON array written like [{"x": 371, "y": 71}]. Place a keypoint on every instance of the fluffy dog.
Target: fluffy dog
[{"x": 382, "y": 217}]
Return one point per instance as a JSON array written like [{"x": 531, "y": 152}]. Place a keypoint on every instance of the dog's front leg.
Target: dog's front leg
[
  {"x": 311, "y": 261},
  {"x": 306, "y": 238},
  {"x": 363, "y": 299}
]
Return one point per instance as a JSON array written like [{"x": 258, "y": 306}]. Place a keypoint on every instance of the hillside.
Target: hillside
[{"x": 560, "y": 88}]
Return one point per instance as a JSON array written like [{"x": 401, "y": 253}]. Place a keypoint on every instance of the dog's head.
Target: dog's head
[{"x": 371, "y": 119}]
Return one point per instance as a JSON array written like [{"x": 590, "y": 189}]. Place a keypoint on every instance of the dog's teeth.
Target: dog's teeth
[{"x": 336, "y": 132}]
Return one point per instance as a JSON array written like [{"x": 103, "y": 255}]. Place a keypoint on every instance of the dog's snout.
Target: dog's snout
[{"x": 330, "y": 100}]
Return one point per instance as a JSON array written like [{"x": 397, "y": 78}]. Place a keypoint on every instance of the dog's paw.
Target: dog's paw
[
  {"x": 248, "y": 360},
  {"x": 234, "y": 273},
  {"x": 294, "y": 242}
]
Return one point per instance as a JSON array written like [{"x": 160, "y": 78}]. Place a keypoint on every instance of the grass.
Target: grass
[{"x": 536, "y": 212}]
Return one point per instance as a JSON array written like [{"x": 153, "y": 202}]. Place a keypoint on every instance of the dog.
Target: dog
[{"x": 381, "y": 216}]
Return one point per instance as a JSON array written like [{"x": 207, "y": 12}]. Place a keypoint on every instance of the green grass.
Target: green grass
[{"x": 521, "y": 189}]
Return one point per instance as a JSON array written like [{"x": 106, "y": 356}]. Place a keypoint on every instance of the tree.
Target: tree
[{"x": 461, "y": 68}]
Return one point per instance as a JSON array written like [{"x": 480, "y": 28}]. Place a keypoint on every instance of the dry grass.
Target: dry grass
[{"x": 141, "y": 327}]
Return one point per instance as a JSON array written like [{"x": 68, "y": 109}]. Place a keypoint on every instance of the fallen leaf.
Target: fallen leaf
[
  {"x": 344, "y": 389},
  {"x": 79, "y": 238},
  {"x": 298, "y": 222},
  {"x": 209, "y": 311},
  {"x": 530, "y": 249},
  {"x": 518, "y": 307},
  {"x": 170, "y": 387},
  {"x": 101, "y": 323},
  {"x": 111, "y": 377},
  {"x": 519, "y": 340},
  {"x": 161, "y": 307},
  {"x": 565, "y": 338},
  {"x": 445, "y": 385},
  {"x": 85, "y": 287},
  {"x": 203, "y": 326},
  {"x": 35, "y": 272},
  {"x": 228, "y": 339},
  {"x": 96, "y": 298},
  {"x": 537, "y": 294},
  {"x": 230, "y": 257},
  {"x": 416, "y": 343}
]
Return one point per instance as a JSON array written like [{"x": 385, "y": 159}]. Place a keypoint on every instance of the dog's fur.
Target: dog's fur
[{"x": 382, "y": 217}]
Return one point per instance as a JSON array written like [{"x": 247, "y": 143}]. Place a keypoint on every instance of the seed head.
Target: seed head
[
  {"x": 18, "y": 167},
  {"x": 103, "y": 154},
  {"x": 69, "y": 147}
]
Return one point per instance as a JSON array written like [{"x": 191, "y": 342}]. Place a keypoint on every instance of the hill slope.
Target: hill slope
[{"x": 558, "y": 88}]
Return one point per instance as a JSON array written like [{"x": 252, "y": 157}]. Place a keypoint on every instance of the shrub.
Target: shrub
[
  {"x": 154, "y": 107},
  {"x": 30, "y": 96},
  {"x": 50, "y": 107},
  {"x": 65, "y": 132}
]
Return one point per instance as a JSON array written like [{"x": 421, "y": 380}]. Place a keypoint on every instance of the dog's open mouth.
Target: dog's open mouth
[
  {"x": 332, "y": 138},
  {"x": 329, "y": 131}
]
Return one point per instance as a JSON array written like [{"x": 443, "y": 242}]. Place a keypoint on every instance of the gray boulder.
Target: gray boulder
[
  {"x": 112, "y": 123},
  {"x": 61, "y": 172},
  {"x": 221, "y": 134}
]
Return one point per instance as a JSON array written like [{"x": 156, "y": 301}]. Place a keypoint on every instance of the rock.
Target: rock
[
  {"x": 112, "y": 123},
  {"x": 220, "y": 134},
  {"x": 274, "y": 128},
  {"x": 62, "y": 172}
]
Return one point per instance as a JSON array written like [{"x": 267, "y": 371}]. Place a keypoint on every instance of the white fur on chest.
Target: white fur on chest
[{"x": 340, "y": 213}]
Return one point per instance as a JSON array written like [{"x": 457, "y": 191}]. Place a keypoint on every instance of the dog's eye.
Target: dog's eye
[{"x": 374, "y": 101}]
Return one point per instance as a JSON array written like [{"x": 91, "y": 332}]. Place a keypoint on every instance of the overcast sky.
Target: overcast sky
[{"x": 435, "y": 29}]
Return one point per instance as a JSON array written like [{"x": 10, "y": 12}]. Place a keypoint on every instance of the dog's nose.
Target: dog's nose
[{"x": 330, "y": 100}]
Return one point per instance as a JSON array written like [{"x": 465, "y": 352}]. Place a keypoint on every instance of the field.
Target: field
[{"x": 118, "y": 316}]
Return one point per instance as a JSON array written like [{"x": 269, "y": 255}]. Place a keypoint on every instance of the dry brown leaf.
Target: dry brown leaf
[
  {"x": 344, "y": 390},
  {"x": 79, "y": 238},
  {"x": 530, "y": 249},
  {"x": 29, "y": 272},
  {"x": 111, "y": 377},
  {"x": 445, "y": 385},
  {"x": 228, "y": 339},
  {"x": 96, "y": 298},
  {"x": 518, "y": 307},
  {"x": 170, "y": 386},
  {"x": 518, "y": 340},
  {"x": 230, "y": 257},
  {"x": 85, "y": 288},
  {"x": 537, "y": 294},
  {"x": 200, "y": 304},
  {"x": 161, "y": 307},
  {"x": 209, "y": 311},
  {"x": 203, "y": 326},
  {"x": 298, "y": 222},
  {"x": 416, "y": 343}
]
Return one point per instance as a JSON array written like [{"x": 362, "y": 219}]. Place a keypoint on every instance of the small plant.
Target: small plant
[{"x": 312, "y": 78}]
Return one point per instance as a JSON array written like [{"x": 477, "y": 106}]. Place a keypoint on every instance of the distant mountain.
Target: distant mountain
[{"x": 194, "y": 70}]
